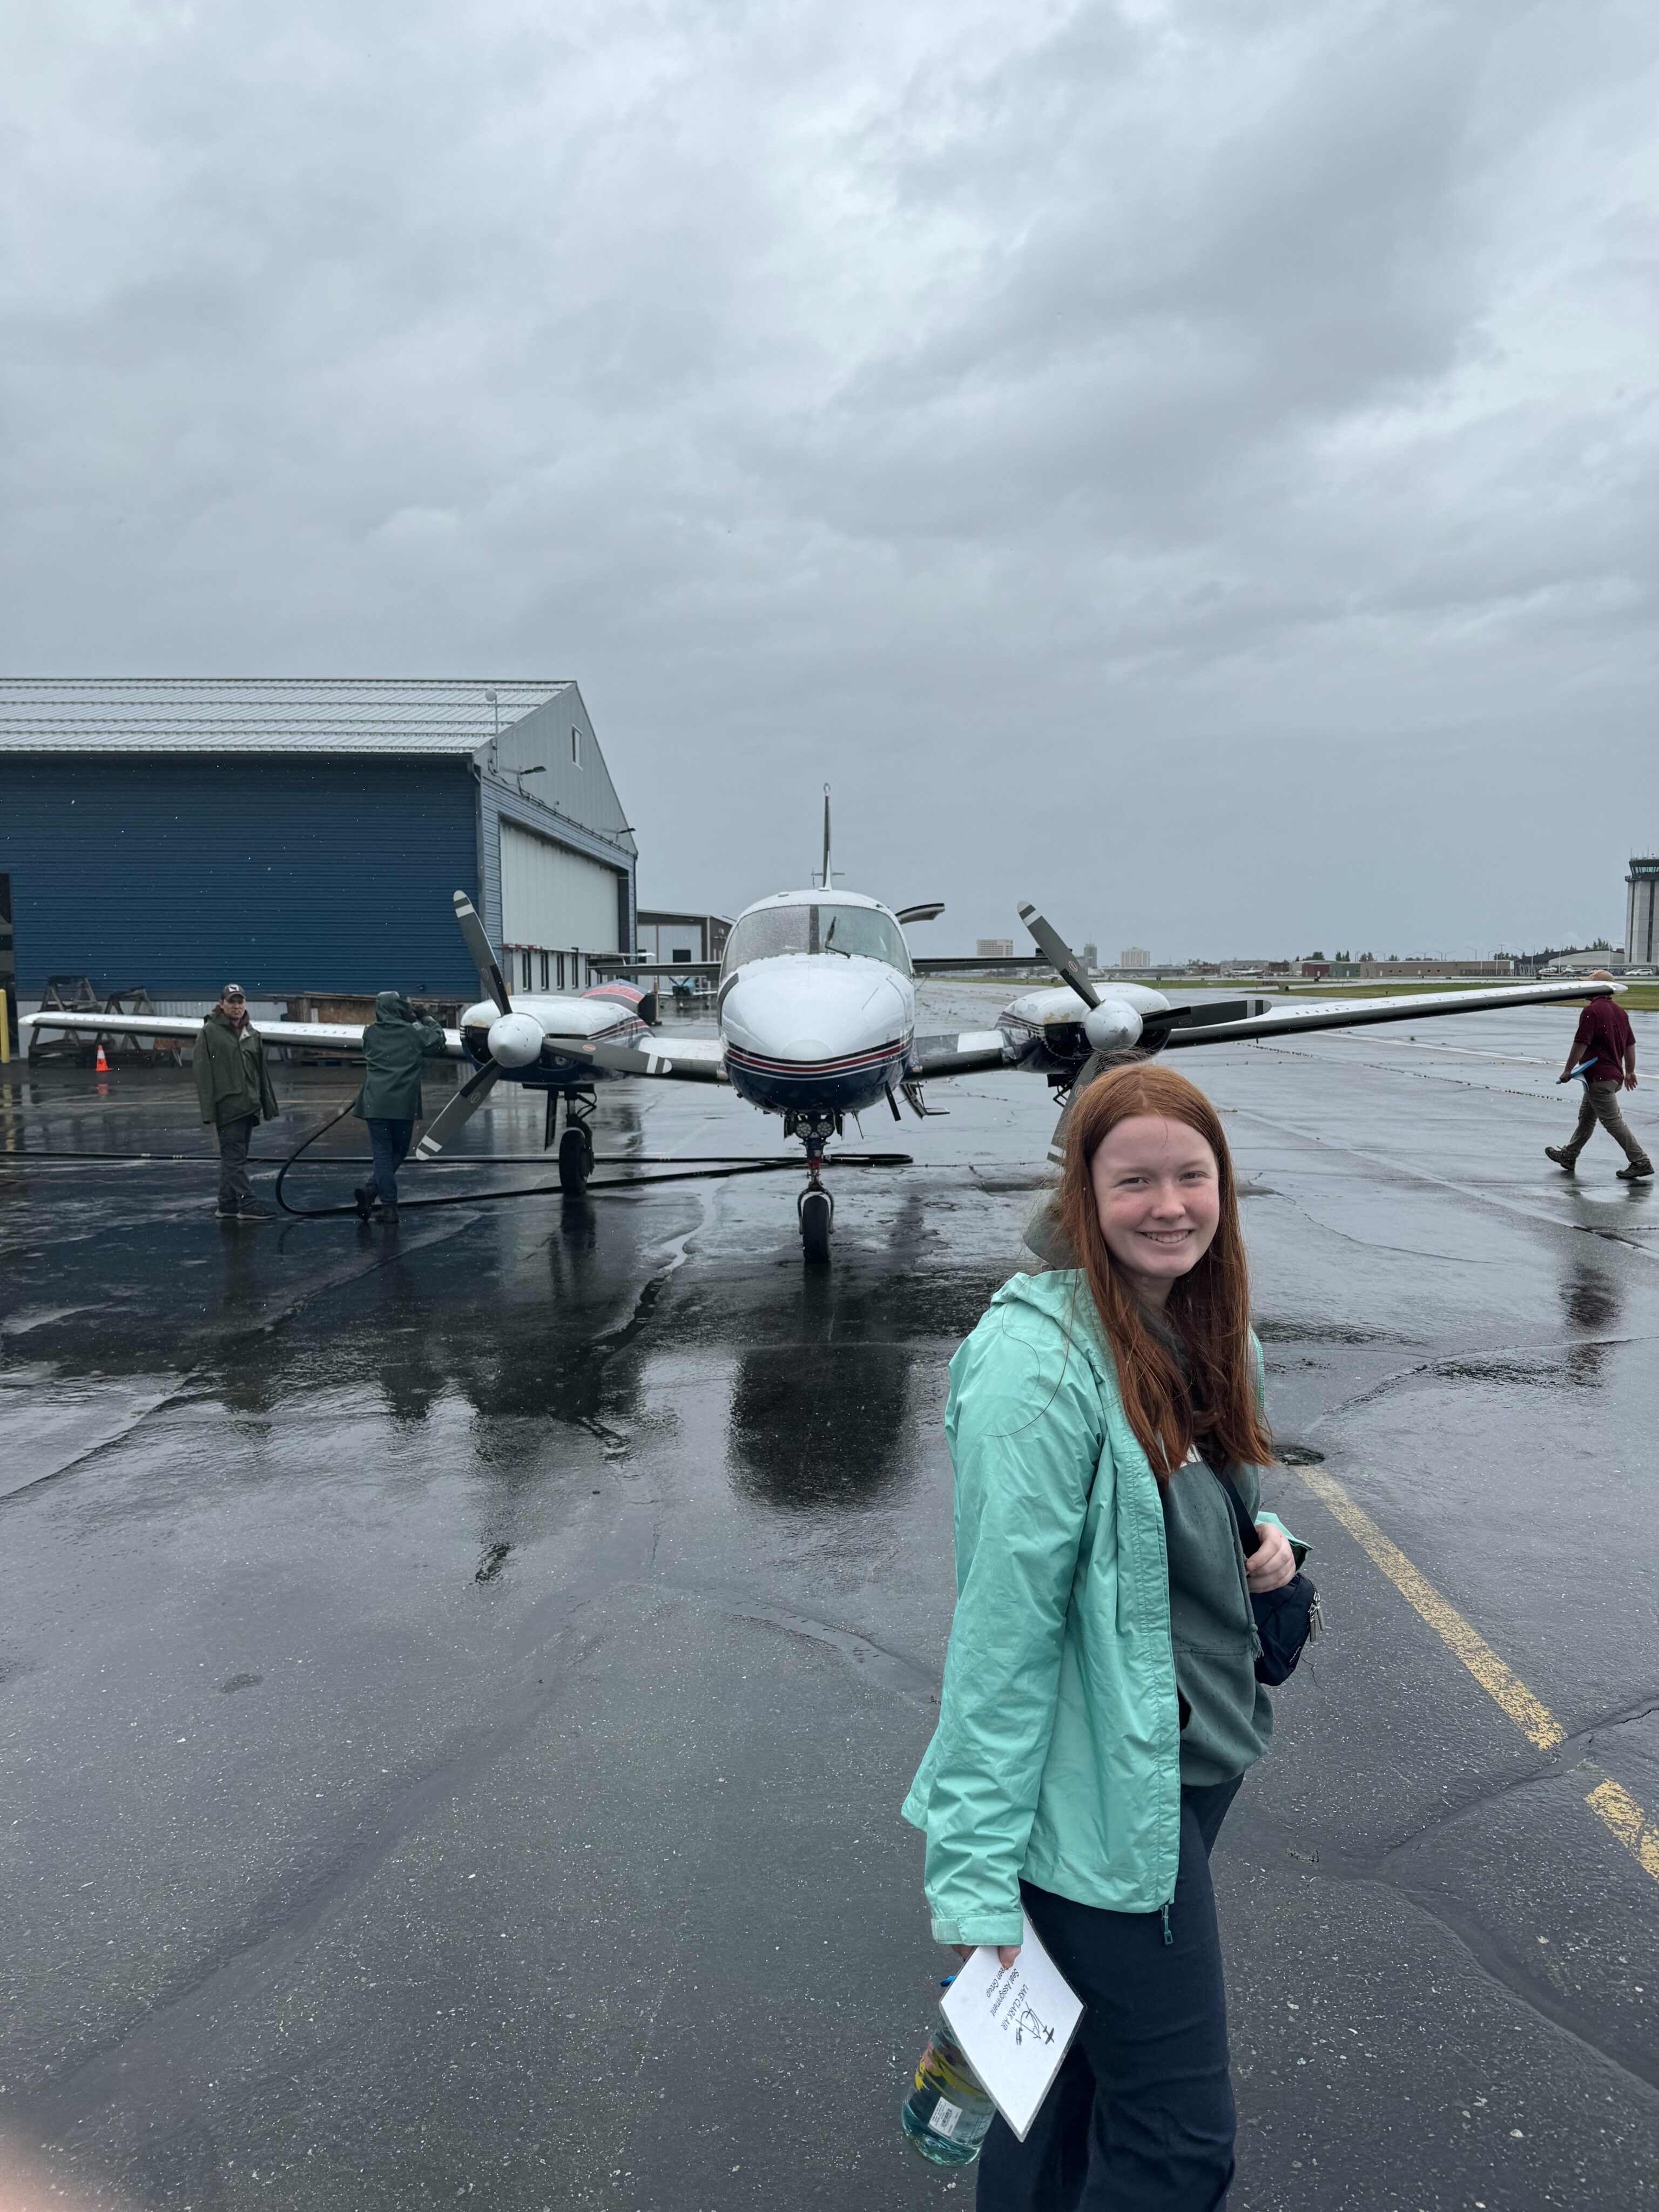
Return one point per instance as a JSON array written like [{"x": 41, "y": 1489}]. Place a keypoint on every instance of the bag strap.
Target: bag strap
[{"x": 1249, "y": 1536}]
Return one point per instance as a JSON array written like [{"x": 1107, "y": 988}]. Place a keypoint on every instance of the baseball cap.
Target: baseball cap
[{"x": 232, "y": 991}]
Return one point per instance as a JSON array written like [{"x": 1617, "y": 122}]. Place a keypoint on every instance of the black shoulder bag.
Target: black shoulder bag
[{"x": 1286, "y": 1619}]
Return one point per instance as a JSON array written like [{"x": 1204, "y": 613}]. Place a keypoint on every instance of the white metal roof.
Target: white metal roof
[{"x": 266, "y": 715}]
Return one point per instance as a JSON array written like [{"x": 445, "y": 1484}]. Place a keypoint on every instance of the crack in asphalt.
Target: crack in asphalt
[
  {"x": 1307, "y": 1138},
  {"x": 1637, "y": 2068},
  {"x": 1449, "y": 1363}
]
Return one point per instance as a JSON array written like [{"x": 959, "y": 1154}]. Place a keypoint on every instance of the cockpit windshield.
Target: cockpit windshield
[{"x": 865, "y": 931}]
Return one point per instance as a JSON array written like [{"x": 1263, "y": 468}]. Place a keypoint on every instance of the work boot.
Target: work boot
[
  {"x": 228, "y": 1210},
  {"x": 385, "y": 1213},
  {"x": 1637, "y": 1171},
  {"x": 365, "y": 1195},
  {"x": 251, "y": 1210},
  {"x": 1562, "y": 1159}
]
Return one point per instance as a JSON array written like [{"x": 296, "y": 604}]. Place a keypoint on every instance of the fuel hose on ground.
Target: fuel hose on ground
[
  {"x": 688, "y": 1171},
  {"x": 681, "y": 1168}
]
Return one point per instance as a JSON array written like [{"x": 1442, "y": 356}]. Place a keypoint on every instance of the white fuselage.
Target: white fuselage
[{"x": 809, "y": 1029}]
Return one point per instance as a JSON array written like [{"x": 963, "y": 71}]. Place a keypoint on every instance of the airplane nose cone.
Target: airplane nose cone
[
  {"x": 812, "y": 1012},
  {"x": 515, "y": 1041},
  {"x": 1111, "y": 1026}
]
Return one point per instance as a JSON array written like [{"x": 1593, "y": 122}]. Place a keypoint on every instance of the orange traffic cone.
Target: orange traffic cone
[{"x": 102, "y": 1068}]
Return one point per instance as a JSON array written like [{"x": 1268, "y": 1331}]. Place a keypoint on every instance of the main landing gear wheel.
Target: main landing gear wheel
[
  {"x": 818, "y": 1210},
  {"x": 575, "y": 1158}
]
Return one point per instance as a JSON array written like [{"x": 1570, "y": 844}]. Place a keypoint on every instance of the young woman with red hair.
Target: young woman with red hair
[{"x": 1100, "y": 1706}]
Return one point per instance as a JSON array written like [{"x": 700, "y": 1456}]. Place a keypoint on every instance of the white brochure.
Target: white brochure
[{"x": 1014, "y": 2024}]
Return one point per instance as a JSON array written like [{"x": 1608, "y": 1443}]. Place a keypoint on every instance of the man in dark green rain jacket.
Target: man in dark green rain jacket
[
  {"x": 395, "y": 1043},
  {"x": 234, "y": 1088}
]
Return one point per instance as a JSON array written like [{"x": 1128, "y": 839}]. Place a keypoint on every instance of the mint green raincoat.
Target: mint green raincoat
[{"x": 1057, "y": 1756}]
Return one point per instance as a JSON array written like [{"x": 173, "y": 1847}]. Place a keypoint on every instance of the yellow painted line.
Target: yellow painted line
[
  {"x": 1611, "y": 1802},
  {"x": 1501, "y": 1684},
  {"x": 1618, "y": 1812}
]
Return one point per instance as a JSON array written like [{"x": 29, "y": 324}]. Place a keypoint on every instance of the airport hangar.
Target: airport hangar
[{"x": 305, "y": 835}]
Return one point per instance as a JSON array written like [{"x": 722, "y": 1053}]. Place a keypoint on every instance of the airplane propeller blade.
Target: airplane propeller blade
[
  {"x": 1059, "y": 955},
  {"x": 459, "y": 1111},
  {"x": 482, "y": 953}
]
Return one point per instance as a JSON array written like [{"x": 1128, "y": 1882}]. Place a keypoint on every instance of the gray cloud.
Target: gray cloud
[{"x": 1190, "y": 464}]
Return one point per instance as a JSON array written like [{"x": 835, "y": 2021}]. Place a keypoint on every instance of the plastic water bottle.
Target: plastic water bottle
[{"x": 946, "y": 2112}]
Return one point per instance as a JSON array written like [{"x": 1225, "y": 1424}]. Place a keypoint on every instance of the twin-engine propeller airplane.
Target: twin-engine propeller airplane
[{"x": 816, "y": 1008}]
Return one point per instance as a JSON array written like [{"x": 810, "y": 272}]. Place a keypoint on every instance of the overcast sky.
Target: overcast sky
[{"x": 1191, "y": 464}]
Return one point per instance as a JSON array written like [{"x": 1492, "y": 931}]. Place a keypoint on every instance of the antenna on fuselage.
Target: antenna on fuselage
[{"x": 825, "y": 879}]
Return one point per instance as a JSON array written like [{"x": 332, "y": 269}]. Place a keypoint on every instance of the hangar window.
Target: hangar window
[
  {"x": 524, "y": 972},
  {"x": 682, "y": 952},
  {"x": 577, "y": 746},
  {"x": 543, "y": 971}
]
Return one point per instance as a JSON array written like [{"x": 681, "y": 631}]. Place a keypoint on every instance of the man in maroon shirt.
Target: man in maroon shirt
[{"x": 1605, "y": 1038}]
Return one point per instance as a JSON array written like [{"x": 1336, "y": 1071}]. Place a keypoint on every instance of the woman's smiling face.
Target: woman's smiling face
[{"x": 1158, "y": 1192}]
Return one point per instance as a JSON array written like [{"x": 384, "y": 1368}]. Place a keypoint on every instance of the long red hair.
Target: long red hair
[{"x": 1214, "y": 1403}]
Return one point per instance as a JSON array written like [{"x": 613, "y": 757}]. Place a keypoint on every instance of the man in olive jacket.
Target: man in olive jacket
[
  {"x": 395, "y": 1043},
  {"x": 234, "y": 1088}
]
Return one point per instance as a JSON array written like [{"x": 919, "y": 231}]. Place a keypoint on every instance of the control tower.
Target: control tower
[{"x": 1641, "y": 913}]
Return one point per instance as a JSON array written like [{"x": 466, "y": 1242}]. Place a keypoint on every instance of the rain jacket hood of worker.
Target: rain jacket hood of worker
[
  {"x": 395, "y": 1043},
  {"x": 232, "y": 1080},
  {"x": 1057, "y": 1755}
]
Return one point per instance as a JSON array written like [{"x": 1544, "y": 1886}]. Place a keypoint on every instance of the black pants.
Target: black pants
[
  {"x": 234, "y": 1137},
  {"x": 389, "y": 1141},
  {"x": 1140, "y": 2116}
]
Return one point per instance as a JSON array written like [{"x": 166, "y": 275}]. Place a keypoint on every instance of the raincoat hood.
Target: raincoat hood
[{"x": 395, "y": 1043}]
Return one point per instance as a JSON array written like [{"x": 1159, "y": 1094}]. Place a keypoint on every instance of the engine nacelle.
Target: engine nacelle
[{"x": 1112, "y": 1026}]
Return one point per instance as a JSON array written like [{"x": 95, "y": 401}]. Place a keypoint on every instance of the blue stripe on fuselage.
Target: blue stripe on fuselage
[{"x": 826, "y": 1088}]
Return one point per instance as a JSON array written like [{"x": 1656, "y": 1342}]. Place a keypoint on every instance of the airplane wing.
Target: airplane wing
[
  {"x": 609, "y": 964},
  {"x": 1356, "y": 1013},
  {"x": 1028, "y": 964},
  {"x": 693, "y": 1059},
  {"x": 334, "y": 1037},
  {"x": 962, "y": 1054}
]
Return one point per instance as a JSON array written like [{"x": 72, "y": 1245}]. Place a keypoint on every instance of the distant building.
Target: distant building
[
  {"x": 669, "y": 937},
  {"x": 1581, "y": 962},
  {"x": 994, "y": 948},
  {"x": 1091, "y": 956},
  {"x": 1134, "y": 955},
  {"x": 1641, "y": 913},
  {"x": 1374, "y": 971}
]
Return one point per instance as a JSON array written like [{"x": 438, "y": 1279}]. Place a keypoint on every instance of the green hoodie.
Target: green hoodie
[
  {"x": 395, "y": 1043},
  {"x": 1057, "y": 1756}
]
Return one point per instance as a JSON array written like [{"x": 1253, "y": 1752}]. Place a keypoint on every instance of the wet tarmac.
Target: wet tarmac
[{"x": 457, "y": 1682}]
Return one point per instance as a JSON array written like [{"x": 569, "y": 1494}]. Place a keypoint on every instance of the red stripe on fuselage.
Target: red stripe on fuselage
[{"x": 847, "y": 1065}]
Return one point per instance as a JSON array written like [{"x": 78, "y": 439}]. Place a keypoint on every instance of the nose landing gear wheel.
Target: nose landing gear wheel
[
  {"x": 818, "y": 1210},
  {"x": 575, "y": 1158}
]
